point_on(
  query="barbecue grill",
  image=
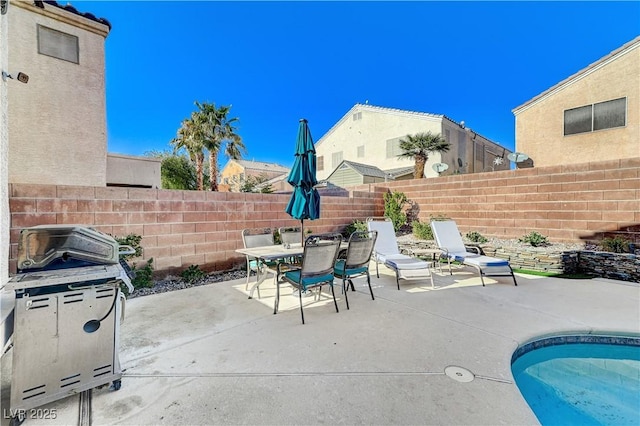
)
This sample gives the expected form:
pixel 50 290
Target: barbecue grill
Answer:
pixel 68 309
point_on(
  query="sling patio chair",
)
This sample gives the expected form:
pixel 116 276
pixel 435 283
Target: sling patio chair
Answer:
pixel 258 237
pixel 356 262
pixel 386 251
pixel 316 270
pixel 449 240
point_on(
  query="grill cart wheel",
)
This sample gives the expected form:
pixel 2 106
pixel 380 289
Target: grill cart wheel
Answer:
pixel 116 385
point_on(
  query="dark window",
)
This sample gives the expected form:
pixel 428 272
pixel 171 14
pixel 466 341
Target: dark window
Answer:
pixel 577 120
pixel 609 114
pixel 600 116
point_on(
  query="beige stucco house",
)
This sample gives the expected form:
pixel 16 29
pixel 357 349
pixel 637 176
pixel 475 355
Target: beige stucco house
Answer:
pixel 235 173
pixel 57 121
pixel 593 115
pixel 371 135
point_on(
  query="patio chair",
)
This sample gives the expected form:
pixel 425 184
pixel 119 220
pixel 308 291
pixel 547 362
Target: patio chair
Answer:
pixel 449 240
pixel 386 251
pixel 356 262
pixel 316 270
pixel 290 235
pixel 258 237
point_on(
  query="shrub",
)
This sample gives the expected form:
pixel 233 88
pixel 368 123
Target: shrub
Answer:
pixel 143 276
pixel 192 274
pixel 476 237
pixel 422 231
pixel 354 226
pixel 535 239
pixel 615 244
pixel 393 204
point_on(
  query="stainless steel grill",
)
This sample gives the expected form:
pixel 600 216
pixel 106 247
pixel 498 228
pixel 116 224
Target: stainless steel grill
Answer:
pixel 68 310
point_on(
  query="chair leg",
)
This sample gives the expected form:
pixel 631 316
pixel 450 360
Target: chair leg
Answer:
pixel 377 272
pixel 369 283
pixel 398 279
pixel 352 286
pixel 333 293
pixel 276 302
pixel 300 297
pixel 345 290
pixel 514 277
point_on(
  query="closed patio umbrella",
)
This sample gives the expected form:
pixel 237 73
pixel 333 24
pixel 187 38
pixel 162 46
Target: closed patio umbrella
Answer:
pixel 305 200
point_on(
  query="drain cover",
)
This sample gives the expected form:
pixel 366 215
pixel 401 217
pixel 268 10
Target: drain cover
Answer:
pixel 459 374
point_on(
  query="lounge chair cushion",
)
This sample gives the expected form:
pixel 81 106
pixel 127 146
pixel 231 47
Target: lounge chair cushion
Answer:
pixel 478 260
pixel 340 271
pixel 400 262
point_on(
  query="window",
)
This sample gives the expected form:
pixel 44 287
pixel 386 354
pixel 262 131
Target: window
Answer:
pixel 320 163
pixel 361 151
pixel 393 148
pixel 336 159
pixel 357 116
pixel 603 115
pixel 57 44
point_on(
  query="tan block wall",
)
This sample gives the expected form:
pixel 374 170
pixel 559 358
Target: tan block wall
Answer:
pixel 571 203
pixel 540 128
pixel 58 118
pixel 179 228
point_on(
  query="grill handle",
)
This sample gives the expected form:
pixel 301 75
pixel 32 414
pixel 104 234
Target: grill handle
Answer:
pixel 125 249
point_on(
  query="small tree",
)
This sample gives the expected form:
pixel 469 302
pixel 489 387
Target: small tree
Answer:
pixel 393 204
pixel 419 146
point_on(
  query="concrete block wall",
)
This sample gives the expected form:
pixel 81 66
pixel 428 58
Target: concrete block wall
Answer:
pixel 572 203
pixel 179 228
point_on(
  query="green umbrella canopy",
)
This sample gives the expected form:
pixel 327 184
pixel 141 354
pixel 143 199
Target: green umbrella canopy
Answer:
pixel 305 200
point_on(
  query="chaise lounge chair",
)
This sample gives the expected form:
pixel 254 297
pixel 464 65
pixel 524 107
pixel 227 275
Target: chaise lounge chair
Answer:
pixel 450 242
pixel 386 251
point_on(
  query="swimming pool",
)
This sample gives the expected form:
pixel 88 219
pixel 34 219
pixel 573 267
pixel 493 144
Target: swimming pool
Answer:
pixel 580 379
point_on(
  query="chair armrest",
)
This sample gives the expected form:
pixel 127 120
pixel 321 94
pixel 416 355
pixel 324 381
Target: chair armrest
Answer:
pixel 287 267
pixel 474 249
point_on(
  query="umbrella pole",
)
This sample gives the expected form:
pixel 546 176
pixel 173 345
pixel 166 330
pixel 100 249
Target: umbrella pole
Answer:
pixel 302 231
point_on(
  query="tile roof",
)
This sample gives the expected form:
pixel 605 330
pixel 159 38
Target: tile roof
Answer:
pixel 583 72
pixel 72 9
pixel 260 165
pixel 363 169
pixel 400 171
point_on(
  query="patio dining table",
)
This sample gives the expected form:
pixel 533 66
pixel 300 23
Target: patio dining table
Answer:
pixel 274 253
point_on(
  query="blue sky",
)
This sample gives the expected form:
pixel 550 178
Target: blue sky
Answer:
pixel 276 62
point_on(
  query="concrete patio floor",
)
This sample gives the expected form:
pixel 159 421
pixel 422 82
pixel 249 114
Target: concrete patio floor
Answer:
pixel 209 355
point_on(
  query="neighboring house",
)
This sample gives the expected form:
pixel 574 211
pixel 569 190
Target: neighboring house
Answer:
pixel 371 135
pixel 278 184
pixel 351 173
pixel 57 121
pixel 235 173
pixel 593 115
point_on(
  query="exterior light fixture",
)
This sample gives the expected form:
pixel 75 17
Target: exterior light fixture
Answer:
pixel 21 77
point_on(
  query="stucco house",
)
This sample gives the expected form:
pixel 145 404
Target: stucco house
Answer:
pixel 593 115
pixel 371 135
pixel 235 173
pixel 57 121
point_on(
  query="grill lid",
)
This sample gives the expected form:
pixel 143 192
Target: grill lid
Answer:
pixel 45 246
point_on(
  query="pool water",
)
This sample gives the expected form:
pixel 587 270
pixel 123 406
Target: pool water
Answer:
pixel 581 383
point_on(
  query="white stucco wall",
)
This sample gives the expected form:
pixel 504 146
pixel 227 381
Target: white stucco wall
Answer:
pixel 57 126
pixel 4 156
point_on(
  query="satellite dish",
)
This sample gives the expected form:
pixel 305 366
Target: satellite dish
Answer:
pixel 517 157
pixel 440 167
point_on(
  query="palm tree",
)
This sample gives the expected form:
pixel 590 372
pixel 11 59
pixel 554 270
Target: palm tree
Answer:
pixel 419 146
pixel 189 137
pixel 216 129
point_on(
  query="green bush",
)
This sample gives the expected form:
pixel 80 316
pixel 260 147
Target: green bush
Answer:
pixel 615 244
pixel 422 231
pixel 192 274
pixel 393 204
pixel 144 275
pixel 476 237
pixel 354 226
pixel 535 239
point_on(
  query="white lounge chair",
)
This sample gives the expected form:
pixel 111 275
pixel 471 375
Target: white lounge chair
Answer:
pixel 449 240
pixel 386 251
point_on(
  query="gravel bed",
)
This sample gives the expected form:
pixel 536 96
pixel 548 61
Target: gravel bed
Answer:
pixel 172 283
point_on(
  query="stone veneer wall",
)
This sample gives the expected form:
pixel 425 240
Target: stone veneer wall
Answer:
pixel 618 266
pixel 178 228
